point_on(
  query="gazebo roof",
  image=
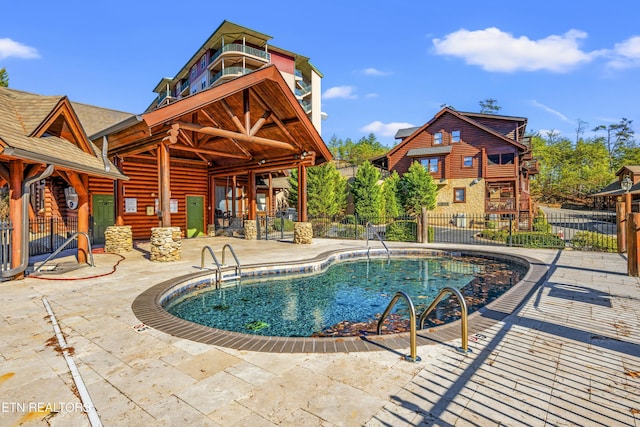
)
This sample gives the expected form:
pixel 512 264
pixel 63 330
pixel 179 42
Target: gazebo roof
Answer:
pixel 253 122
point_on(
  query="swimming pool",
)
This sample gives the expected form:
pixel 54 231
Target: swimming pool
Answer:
pixel 346 298
pixel 148 307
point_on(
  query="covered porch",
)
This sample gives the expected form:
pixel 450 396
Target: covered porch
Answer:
pixel 213 155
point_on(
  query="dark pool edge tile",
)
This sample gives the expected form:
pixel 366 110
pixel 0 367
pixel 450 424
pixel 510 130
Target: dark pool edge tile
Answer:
pixel 146 308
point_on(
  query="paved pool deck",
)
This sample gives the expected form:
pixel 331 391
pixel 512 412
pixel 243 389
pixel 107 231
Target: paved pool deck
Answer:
pixel 568 355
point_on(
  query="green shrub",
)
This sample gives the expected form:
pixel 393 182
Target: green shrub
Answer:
pixel 493 234
pixel 278 225
pixel 431 234
pixel 540 223
pixel 351 231
pixel 349 219
pixel 491 225
pixel 535 239
pixel 589 240
pixel 402 231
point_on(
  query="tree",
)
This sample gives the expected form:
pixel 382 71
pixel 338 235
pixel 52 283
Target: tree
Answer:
pixel 417 190
pixel 356 153
pixel 326 190
pixel 619 141
pixel 390 205
pixel 4 77
pixel 367 193
pixel 489 106
pixel 580 129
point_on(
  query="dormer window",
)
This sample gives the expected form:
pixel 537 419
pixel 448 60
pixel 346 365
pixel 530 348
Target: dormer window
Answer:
pixel 437 138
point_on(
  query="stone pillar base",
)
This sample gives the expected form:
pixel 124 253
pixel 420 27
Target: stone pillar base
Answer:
pixel 211 230
pixel 250 230
pixel 166 244
pixel 302 233
pixel 118 239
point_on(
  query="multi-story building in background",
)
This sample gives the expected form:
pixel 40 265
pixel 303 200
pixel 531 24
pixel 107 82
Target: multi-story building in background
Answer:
pixel 232 51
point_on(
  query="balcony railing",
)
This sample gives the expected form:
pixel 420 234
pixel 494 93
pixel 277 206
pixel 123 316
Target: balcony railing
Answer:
pixel 298 73
pixel 234 47
pixel 229 72
pixel 306 106
pixel 501 171
pixel 183 86
pixel 503 204
pixel 303 88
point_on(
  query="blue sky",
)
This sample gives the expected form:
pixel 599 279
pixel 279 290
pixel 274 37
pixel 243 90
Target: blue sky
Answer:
pixel 386 65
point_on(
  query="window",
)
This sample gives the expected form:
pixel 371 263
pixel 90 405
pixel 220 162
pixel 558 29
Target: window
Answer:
pixel 437 138
pixel 501 159
pixel 455 136
pixel 203 83
pixel 467 161
pixel 430 164
pixel 203 62
pixel 459 195
pixel 194 71
pixel 507 159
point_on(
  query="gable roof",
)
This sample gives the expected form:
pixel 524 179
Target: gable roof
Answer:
pixel 32 128
pixel 206 126
pixel 462 116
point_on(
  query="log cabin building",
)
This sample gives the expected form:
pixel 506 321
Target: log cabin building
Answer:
pixel 50 169
pixel 215 151
pixel 481 162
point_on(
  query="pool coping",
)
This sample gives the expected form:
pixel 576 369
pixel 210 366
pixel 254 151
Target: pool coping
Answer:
pixel 148 309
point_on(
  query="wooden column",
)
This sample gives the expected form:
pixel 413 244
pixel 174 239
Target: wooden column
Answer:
pixel 16 171
pixel 633 238
pixel 212 200
pixel 271 206
pixel 621 229
pixel 118 190
pixel 164 184
pixel 302 193
pixel 234 202
pixel 251 189
pixel 83 220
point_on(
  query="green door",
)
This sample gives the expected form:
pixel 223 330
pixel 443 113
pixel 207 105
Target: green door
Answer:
pixel 195 216
pixel 103 215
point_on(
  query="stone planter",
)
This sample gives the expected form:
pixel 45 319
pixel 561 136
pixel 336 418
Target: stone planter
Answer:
pixel 166 244
pixel 302 233
pixel 250 230
pixel 118 239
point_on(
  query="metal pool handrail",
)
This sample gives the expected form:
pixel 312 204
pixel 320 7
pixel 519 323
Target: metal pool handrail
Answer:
pixel 463 315
pixel 64 245
pixel 215 260
pixel 375 233
pixel 413 357
pixel 238 274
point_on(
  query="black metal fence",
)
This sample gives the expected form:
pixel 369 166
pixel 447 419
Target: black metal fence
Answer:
pixel 587 231
pixel 5 245
pixel 402 228
pixel 274 227
pixel 48 234
pixel 592 231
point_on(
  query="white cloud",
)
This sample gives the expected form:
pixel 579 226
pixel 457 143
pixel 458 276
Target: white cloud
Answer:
pixel 551 110
pixel 345 92
pixel 626 54
pixel 374 72
pixel 384 129
pixel 496 50
pixel 10 47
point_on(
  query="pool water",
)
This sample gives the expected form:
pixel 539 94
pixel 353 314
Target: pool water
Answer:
pixel 347 293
